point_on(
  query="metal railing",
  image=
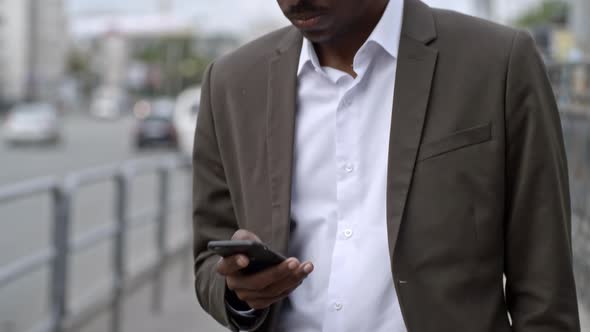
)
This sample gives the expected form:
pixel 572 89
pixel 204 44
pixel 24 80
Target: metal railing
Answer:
pixel 64 317
pixel 577 139
pixel 571 83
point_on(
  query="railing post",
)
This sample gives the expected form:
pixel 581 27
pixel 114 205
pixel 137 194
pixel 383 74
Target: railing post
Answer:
pixel 119 264
pixel 586 175
pixel 188 268
pixel 161 234
pixel 60 264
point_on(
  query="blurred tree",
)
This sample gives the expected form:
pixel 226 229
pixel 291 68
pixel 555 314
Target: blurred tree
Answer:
pixel 172 64
pixel 549 11
pixel 79 67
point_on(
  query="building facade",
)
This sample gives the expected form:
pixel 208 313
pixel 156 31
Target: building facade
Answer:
pixel 581 25
pixel 14 49
pixel 48 48
pixel 33 49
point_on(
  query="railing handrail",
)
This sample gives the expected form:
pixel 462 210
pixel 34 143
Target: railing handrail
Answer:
pixel 64 318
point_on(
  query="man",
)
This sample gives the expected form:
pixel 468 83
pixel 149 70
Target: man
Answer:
pixel 408 159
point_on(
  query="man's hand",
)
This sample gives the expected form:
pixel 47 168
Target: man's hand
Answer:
pixel 262 289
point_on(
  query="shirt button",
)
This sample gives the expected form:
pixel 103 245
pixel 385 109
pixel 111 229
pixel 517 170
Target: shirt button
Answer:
pixel 338 306
pixel 348 233
pixel 349 168
pixel 347 102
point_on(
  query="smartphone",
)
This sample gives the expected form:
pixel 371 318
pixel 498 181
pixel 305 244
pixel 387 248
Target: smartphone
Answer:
pixel 260 256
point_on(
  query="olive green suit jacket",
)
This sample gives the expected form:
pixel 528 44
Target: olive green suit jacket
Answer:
pixel 477 187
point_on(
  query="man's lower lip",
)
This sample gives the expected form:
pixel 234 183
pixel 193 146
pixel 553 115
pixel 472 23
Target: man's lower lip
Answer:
pixel 307 23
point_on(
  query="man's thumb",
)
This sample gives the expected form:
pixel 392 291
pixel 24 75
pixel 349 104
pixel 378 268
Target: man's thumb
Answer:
pixel 243 234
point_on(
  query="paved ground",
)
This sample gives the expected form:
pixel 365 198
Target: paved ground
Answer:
pixel 585 318
pixel 181 312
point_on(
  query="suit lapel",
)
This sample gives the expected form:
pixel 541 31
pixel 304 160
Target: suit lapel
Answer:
pixel 415 70
pixel 282 87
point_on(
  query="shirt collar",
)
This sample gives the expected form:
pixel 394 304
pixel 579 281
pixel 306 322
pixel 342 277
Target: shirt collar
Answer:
pixel 386 34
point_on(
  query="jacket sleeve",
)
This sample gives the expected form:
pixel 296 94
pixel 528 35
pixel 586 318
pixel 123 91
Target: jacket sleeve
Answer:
pixel 213 216
pixel 540 288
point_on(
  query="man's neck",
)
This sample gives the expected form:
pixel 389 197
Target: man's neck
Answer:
pixel 339 52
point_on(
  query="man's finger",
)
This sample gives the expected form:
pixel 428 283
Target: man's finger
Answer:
pixel 271 292
pixel 263 279
pixel 230 265
pixel 305 269
pixel 289 283
pixel 243 234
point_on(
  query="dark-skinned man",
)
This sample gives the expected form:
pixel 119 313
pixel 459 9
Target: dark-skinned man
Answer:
pixel 406 159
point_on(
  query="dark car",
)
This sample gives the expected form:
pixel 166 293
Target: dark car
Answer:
pixel 154 125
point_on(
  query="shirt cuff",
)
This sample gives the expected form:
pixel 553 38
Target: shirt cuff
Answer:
pixel 241 315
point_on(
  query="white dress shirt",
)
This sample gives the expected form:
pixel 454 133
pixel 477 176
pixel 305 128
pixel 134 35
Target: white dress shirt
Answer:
pixel 339 189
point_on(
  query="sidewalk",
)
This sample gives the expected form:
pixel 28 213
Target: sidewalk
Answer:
pixel 585 318
pixel 180 309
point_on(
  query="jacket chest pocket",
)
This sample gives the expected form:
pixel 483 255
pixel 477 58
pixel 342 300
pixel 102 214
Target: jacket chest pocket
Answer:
pixel 455 141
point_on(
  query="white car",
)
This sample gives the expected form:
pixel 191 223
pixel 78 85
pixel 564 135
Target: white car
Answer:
pixel 32 123
pixel 185 118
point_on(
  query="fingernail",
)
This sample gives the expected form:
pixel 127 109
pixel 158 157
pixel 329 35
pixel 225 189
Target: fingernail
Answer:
pixel 308 268
pixel 242 262
pixel 292 265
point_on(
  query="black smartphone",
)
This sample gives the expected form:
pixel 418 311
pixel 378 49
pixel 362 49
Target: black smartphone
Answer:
pixel 261 257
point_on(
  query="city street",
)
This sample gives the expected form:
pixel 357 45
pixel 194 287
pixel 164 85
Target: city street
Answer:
pixel 87 143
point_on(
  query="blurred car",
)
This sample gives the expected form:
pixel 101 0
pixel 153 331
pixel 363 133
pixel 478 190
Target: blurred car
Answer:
pixel 185 118
pixel 154 124
pixel 32 123
pixel 108 103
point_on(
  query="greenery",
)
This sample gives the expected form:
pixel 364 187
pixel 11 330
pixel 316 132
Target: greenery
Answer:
pixel 164 65
pixel 549 11
pixel 174 60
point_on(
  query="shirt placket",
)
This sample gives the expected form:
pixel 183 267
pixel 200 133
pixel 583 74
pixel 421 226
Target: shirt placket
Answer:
pixel 344 254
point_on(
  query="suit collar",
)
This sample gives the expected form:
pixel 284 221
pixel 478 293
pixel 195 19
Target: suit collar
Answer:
pixel 418 23
pixel 386 34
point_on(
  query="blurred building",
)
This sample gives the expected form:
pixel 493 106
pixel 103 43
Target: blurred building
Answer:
pixel 112 59
pixel 48 48
pixel 33 48
pixel 581 24
pixel 14 49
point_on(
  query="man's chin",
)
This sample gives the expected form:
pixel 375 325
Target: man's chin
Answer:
pixel 318 36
